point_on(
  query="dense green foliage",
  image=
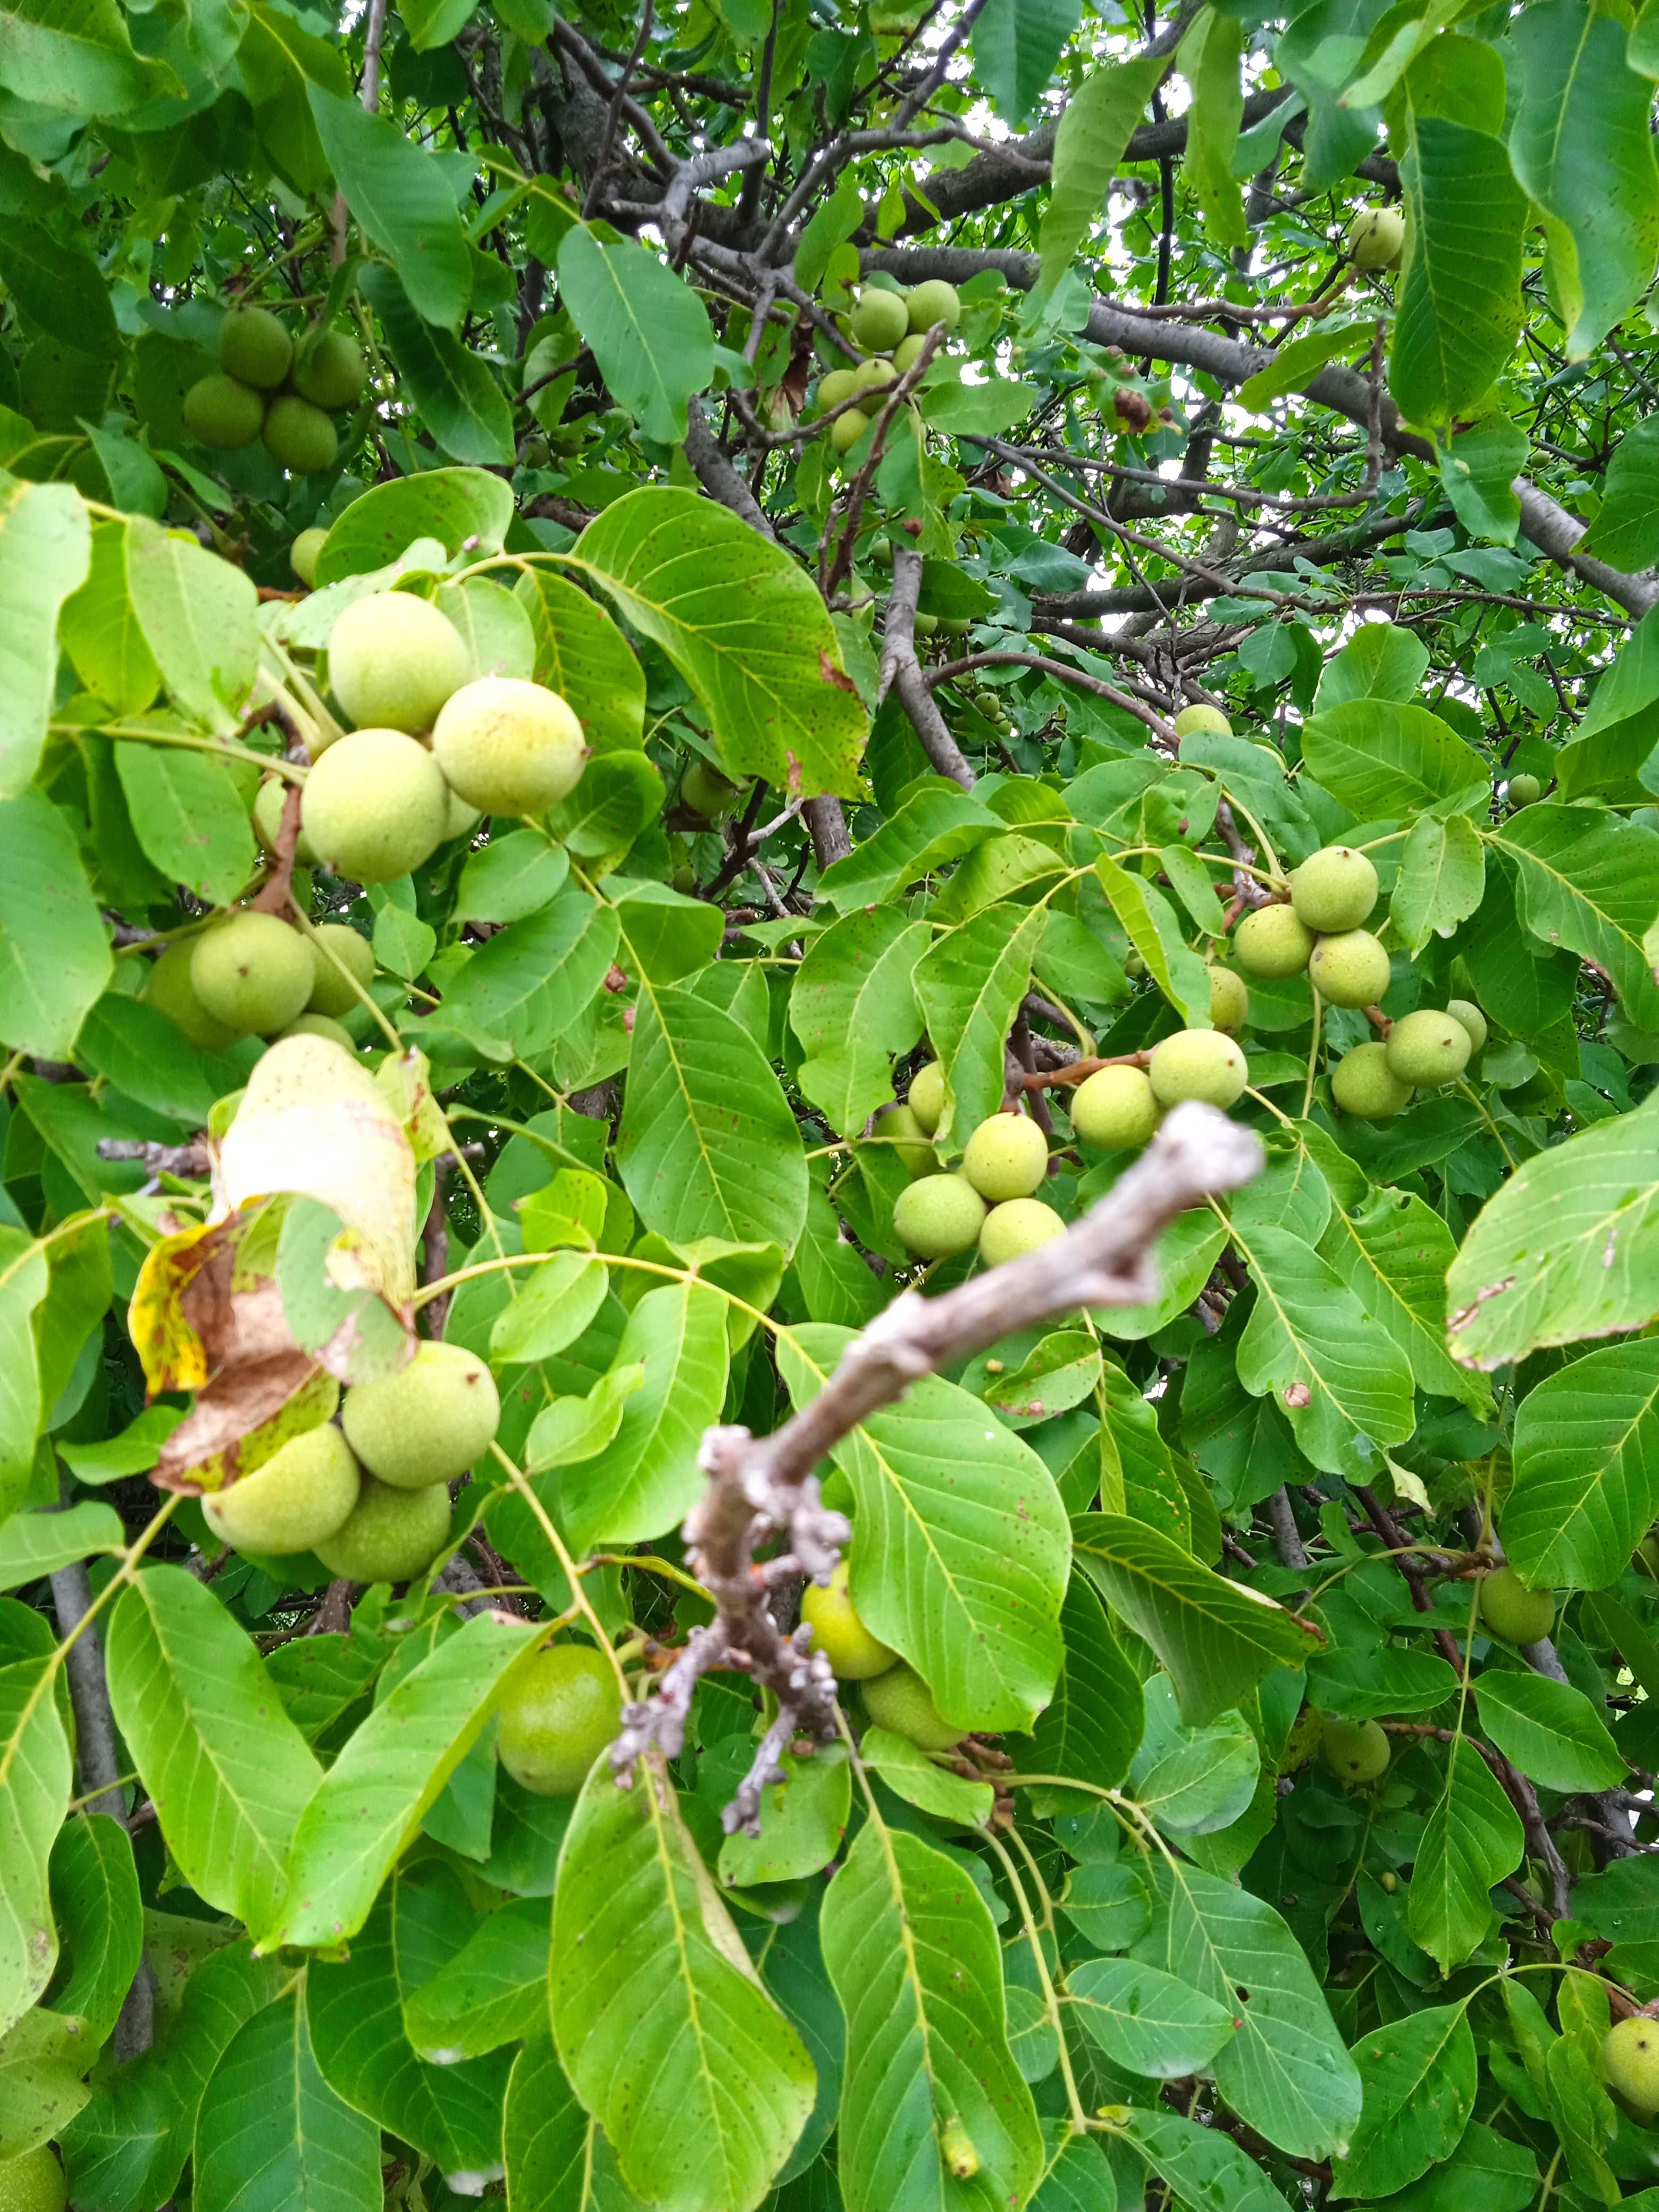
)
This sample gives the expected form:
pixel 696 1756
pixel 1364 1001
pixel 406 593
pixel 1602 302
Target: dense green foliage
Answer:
pixel 620 633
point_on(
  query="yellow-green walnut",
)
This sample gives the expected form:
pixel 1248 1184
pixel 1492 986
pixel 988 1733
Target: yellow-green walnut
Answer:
pixel 557 1718
pixel 334 946
pixel 1273 941
pixel 390 1535
pixel 938 1216
pixel 1512 1610
pixel 900 1701
pixel 508 746
pixel 1015 1227
pixel 901 1130
pixel 427 1423
pixel 1350 968
pixel 393 660
pixel 375 806
pixel 1197 1063
pixel 828 1609
pixel 1006 1157
pixel 1334 889
pixel 1115 1108
pixel 300 1497
pixel 253 972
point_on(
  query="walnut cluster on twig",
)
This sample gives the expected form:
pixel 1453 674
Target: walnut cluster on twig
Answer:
pixel 763 1490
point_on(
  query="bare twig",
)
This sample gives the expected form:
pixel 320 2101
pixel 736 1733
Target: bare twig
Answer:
pixel 765 1489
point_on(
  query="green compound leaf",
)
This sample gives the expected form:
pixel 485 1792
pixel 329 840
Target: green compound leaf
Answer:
pixel 1568 1248
pixel 960 1558
pixel 272 2134
pixel 227 1770
pixel 1216 1638
pixel 670 2041
pixel 913 1956
pixel 678 566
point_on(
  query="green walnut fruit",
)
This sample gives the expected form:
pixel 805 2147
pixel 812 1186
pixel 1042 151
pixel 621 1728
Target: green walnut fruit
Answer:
pixel 908 352
pixel 222 413
pixel 899 1701
pixel 376 805
pixel 392 661
pixel 302 554
pixel 874 375
pixel 1355 1750
pixel 254 348
pixel 302 1495
pixel 847 429
pixel 1377 238
pixel 1210 721
pixel 335 945
pixel 330 372
pixel 460 820
pixel 836 385
pixel 1229 1002
pixel 938 1216
pixel 879 320
pixel 1350 968
pixel 1466 1011
pixel 1334 890
pixel 899 1128
pixel 300 437
pixel 927 1095
pixel 390 1535
pixel 854 1654
pixel 269 804
pixel 429 1422
pixel 321 1025
pixel 933 301
pixel 1015 1227
pixel 1006 1157
pixel 33 2183
pixel 1428 1049
pixel 169 989
pixel 1273 941
pixel 926 625
pixel 508 746
pixel 704 791
pixel 1197 1063
pixel 1364 1085
pixel 557 1719
pixel 1524 790
pixel 1512 1611
pixel 253 972
pixel 1630 2061
pixel 1115 1108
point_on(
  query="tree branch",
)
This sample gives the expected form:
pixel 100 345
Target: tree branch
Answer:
pixel 901 670
pixel 1346 392
pixel 763 1489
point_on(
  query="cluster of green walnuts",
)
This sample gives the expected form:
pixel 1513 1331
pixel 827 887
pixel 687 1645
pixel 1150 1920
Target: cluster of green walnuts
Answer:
pixel 1318 931
pixel 265 387
pixel 433 750
pixel 889 329
pixel 368 1495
